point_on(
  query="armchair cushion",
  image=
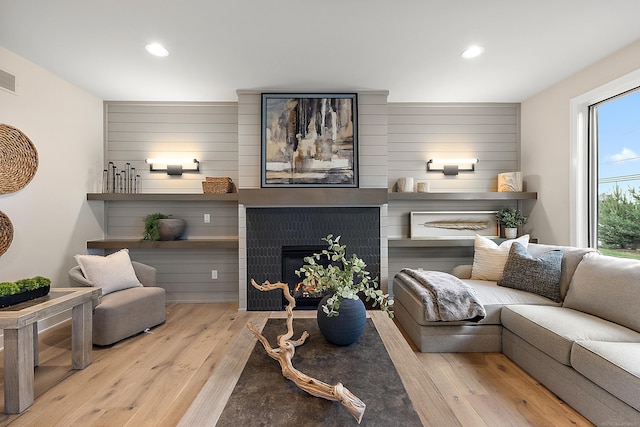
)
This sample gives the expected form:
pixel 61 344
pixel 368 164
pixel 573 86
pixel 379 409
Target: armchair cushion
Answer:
pixel 111 273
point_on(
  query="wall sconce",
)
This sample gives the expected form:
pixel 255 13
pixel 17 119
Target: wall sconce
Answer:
pixel 451 166
pixel 173 166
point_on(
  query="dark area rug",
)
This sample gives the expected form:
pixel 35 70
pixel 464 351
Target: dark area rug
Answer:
pixel 263 397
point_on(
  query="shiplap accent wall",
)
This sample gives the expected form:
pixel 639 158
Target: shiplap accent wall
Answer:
pixel 373 155
pixel 395 140
pixel 419 132
pixel 372 138
pixel 206 131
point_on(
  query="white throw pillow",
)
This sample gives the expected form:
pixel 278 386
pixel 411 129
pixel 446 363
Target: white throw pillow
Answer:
pixel 489 258
pixel 111 273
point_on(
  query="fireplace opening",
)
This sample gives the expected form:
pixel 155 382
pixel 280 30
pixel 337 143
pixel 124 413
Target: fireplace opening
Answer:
pixel 292 260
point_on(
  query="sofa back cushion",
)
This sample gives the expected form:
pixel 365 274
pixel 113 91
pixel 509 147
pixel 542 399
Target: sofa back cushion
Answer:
pixel 571 257
pixel 607 287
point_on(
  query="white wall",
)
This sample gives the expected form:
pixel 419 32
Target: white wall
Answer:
pixel 51 218
pixel 545 142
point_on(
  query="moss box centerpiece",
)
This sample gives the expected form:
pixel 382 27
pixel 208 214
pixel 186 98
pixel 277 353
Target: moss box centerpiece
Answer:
pixel 12 293
pixel 341 313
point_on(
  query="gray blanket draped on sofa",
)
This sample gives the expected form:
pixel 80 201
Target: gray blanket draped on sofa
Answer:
pixel 445 297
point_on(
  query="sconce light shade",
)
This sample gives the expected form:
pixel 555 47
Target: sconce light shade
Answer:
pixel 173 166
pixel 451 166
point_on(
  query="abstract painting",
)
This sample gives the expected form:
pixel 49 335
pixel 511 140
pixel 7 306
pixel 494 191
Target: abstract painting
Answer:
pixel 309 140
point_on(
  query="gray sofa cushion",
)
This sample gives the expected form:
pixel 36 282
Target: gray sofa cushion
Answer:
pixel 553 330
pixel 539 275
pixel 607 287
pixel 492 297
pixel 614 366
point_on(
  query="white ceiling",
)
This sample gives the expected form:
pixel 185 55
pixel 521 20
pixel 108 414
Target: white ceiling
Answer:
pixel 409 47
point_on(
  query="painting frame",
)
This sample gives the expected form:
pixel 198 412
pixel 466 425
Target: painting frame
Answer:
pixel 309 140
pixel 449 225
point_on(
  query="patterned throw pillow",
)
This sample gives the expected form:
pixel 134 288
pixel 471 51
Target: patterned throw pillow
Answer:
pixel 536 275
pixel 489 258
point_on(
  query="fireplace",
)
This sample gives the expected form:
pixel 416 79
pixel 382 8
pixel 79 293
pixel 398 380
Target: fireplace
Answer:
pixel 293 259
pixel 269 230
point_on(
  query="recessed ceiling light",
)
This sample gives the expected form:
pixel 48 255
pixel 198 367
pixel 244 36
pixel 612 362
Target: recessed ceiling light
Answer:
pixel 156 49
pixel 472 52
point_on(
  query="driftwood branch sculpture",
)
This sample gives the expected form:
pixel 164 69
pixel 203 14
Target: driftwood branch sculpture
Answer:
pixel 285 351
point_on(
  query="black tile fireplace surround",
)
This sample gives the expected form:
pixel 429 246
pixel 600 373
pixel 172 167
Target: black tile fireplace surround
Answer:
pixel 271 229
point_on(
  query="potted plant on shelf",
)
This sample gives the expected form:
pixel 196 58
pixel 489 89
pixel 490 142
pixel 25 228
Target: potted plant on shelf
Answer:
pixel 12 293
pixel 511 219
pixel 158 226
pixel 341 313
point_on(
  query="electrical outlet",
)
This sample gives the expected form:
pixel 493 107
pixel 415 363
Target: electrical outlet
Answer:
pixel 214 274
pixel 207 218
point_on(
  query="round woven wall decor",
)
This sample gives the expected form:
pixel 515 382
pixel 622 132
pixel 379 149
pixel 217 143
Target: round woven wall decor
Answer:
pixel 18 159
pixel 6 233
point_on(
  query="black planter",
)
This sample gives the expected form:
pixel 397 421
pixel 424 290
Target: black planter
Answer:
pixel 348 326
pixel 9 300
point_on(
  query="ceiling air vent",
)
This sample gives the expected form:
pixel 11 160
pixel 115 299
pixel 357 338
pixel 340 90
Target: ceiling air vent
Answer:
pixel 7 81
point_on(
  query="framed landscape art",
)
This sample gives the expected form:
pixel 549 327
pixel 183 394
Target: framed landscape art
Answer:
pixel 309 140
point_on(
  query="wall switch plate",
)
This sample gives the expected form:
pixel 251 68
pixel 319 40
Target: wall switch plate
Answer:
pixel 207 218
pixel 214 274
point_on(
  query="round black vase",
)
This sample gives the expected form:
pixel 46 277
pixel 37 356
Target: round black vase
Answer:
pixel 348 326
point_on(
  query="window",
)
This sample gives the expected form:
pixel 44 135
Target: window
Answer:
pixel 614 175
pixel 581 232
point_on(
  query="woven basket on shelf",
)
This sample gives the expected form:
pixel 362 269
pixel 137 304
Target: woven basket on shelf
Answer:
pixel 217 185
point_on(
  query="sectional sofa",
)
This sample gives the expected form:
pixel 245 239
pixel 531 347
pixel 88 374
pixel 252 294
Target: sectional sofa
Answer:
pixel 582 340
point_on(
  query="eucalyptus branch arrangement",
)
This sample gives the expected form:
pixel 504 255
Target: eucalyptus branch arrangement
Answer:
pixel 342 278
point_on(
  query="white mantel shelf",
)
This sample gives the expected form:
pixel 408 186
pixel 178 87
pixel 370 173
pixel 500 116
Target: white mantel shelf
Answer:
pixel 279 197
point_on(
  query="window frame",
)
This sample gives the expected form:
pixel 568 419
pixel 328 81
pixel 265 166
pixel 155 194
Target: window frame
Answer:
pixel 581 203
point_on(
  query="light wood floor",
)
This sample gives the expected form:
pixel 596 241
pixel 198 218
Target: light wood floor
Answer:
pixel 153 378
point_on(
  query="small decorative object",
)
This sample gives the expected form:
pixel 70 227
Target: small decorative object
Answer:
pixel 511 219
pixel 12 293
pixel 286 350
pixel 18 159
pixel 158 226
pixel 339 282
pixel 405 185
pixel 424 187
pixel 6 233
pixel 436 225
pixel 309 140
pixel 510 182
pixel 217 185
pixel 120 181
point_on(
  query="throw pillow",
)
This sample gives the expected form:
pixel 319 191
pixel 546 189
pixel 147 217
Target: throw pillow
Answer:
pixel 111 273
pixel 489 258
pixel 539 275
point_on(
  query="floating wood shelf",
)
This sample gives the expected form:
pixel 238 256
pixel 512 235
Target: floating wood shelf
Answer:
pixel 211 243
pixel 527 195
pixel 167 197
